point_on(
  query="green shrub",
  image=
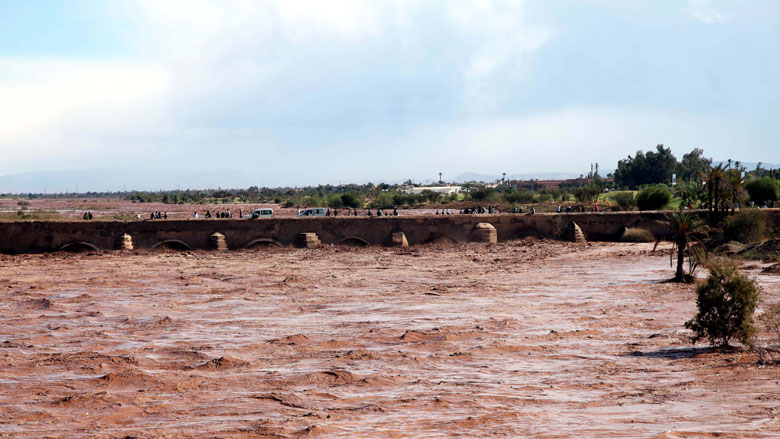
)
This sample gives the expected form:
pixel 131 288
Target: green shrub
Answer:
pixel 762 190
pixel 726 301
pixel 544 196
pixel 771 321
pixel 638 235
pixel 401 199
pixel 653 198
pixel 383 201
pixel 481 193
pixel 625 200
pixel 587 193
pixel 350 200
pixel 747 226
pixel 519 196
pixel 334 201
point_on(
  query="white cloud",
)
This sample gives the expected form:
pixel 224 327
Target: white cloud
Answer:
pixel 704 11
pixel 39 97
pixel 564 140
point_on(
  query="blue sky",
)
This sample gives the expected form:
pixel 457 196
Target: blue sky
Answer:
pixel 308 92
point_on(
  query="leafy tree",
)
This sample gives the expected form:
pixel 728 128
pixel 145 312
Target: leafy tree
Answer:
pixel 693 165
pixel 726 302
pixel 684 225
pixel 653 197
pixel 646 168
pixel 762 190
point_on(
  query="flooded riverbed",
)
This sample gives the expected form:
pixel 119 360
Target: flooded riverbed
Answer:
pixel 520 339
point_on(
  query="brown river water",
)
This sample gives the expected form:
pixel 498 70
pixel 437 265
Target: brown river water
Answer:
pixel 534 339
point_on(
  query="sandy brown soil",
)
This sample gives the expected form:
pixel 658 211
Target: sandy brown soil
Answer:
pixel 521 339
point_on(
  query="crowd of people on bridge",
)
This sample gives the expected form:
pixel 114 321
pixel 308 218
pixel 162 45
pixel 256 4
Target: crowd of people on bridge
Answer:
pixel 219 214
pixel 347 211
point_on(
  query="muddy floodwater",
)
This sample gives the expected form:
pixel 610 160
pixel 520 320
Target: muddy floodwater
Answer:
pixel 528 338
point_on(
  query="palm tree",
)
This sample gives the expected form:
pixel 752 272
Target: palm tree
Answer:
pixel 736 185
pixel 715 177
pixel 683 225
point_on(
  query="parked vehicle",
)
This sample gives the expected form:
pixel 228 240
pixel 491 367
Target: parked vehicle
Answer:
pixel 260 213
pixel 314 211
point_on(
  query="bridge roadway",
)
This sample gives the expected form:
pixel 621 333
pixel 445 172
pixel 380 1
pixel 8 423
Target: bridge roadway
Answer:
pixel 45 236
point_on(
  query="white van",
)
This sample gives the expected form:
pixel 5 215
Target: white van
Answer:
pixel 260 213
pixel 314 211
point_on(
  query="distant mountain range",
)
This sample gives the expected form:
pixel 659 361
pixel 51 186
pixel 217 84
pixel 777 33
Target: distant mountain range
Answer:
pixel 750 166
pixel 488 178
pixel 115 180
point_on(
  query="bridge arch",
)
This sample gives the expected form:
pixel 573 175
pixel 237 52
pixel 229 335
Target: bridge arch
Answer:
pixel 263 241
pixel 439 238
pixel 78 246
pixel 173 244
pixel 354 240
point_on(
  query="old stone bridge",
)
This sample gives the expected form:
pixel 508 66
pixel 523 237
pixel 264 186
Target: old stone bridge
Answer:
pixel 44 236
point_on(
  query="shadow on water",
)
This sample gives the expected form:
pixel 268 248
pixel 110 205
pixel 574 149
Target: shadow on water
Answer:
pixel 672 353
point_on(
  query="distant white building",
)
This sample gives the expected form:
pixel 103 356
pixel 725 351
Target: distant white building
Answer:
pixel 446 190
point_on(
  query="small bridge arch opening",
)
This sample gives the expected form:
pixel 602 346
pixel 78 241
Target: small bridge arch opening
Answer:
pixel 354 241
pixel 262 242
pixel 172 244
pixel 79 247
pixel 439 239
